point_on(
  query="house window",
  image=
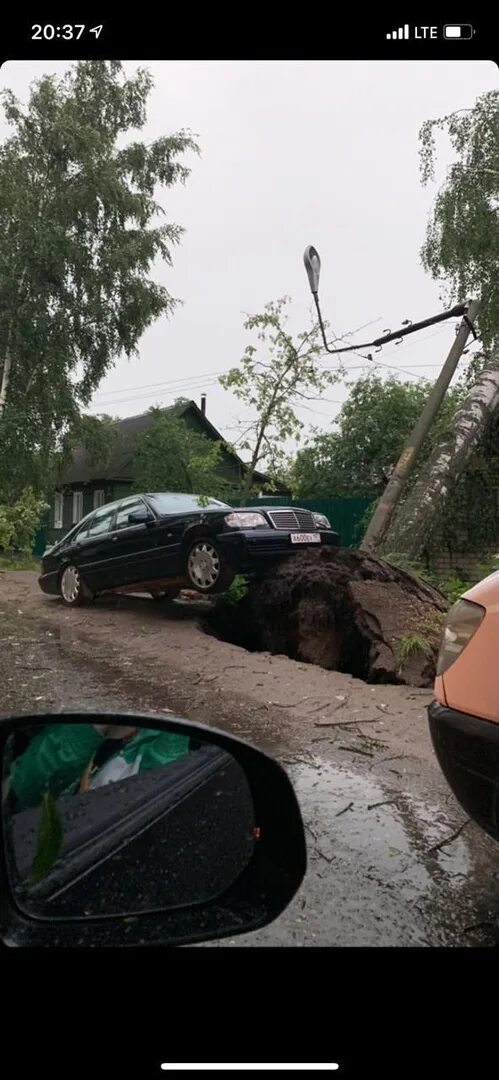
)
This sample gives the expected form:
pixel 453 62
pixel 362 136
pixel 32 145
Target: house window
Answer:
pixel 77 506
pixel 99 498
pixel 58 510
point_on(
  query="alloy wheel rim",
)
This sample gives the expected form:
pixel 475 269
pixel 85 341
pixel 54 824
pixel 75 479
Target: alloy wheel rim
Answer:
pixel 70 584
pixel 204 565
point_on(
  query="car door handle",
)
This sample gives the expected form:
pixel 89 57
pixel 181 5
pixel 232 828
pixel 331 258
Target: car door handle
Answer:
pixel 114 539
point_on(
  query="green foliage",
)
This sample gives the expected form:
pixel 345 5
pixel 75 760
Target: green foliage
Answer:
pixel 170 456
pixel 81 230
pixel 19 523
pixel 373 426
pixel 488 566
pixel 49 839
pixel 235 593
pixel 273 378
pixel 462 242
pixel 98 435
pixel 453 588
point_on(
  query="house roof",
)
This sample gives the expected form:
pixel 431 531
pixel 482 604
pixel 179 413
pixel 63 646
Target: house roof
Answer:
pixel 82 471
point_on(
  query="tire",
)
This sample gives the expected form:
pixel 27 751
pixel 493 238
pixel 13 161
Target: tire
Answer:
pixel 207 569
pixel 72 588
pixel 166 594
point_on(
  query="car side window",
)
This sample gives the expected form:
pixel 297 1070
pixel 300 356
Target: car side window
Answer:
pixel 100 522
pixel 126 508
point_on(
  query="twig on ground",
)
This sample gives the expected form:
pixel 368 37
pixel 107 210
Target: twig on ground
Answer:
pixel 356 750
pixel 345 723
pixel 449 839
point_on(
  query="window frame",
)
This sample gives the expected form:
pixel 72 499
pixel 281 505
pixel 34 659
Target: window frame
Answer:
pixel 100 492
pixel 77 497
pixel 85 534
pixel 59 521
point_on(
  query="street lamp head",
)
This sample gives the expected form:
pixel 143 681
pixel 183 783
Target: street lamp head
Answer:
pixel 313 268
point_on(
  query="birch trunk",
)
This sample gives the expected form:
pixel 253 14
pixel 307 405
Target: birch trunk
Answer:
pixel 414 522
pixel 7 366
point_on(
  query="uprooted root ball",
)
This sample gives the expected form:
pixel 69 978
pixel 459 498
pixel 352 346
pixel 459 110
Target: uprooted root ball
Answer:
pixel 344 610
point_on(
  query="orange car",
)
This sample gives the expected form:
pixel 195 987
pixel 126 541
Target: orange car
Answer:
pixel 464 717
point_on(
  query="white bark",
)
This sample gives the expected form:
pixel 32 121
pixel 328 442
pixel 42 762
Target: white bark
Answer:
pixel 416 517
pixel 7 365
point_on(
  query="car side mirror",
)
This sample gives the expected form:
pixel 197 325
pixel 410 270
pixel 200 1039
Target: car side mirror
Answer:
pixel 138 830
pixel 140 517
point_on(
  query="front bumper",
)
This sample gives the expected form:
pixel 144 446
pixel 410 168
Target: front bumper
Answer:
pixel 247 549
pixel 48 583
pixel 467 749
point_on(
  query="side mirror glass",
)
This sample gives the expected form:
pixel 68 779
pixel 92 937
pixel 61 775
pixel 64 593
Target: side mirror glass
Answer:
pixel 108 825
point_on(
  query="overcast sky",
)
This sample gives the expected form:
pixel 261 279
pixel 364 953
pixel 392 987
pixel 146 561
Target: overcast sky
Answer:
pixel 293 153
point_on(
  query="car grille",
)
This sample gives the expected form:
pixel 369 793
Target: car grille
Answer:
pixel 291 520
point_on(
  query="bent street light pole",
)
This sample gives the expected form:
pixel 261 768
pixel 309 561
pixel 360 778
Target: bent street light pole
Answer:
pixel 380 521
pixel 313 268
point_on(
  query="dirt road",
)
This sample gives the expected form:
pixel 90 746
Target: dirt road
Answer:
pixel 392 859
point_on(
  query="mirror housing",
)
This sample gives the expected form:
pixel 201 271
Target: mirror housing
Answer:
pixel 258 894
pixel 140 517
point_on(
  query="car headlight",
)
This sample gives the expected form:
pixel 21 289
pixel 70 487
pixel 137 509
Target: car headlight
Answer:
pixel 463 621
pixel 245 520
pixel 322 521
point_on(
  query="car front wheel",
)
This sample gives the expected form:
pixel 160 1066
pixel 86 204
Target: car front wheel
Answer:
pixel 207 569
pixel 72 588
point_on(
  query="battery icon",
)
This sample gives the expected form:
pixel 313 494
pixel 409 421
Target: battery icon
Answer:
pixel 458 31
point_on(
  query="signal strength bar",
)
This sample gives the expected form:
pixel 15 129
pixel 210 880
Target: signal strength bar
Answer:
pixel 402 34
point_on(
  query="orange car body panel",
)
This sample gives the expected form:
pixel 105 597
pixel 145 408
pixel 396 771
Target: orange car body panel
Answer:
pixel 471 684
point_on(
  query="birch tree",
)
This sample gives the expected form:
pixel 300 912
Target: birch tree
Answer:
pixel 461 251
pixel 81 228
pixel 420 513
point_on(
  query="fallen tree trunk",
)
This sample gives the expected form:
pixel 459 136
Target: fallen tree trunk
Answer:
pixel 344 610
pixel 413 524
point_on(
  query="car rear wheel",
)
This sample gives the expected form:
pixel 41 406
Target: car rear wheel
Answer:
pixel 207 569
pixel 71 587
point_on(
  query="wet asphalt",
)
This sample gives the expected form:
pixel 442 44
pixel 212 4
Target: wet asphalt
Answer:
pixel 384 869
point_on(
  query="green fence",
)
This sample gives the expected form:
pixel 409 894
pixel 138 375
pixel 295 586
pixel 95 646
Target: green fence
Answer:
pixel 345 515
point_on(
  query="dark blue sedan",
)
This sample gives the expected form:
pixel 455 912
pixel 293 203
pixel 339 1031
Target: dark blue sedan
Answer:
pixel 164 542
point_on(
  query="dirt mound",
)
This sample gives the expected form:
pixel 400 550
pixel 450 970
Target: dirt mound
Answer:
pixel 344 610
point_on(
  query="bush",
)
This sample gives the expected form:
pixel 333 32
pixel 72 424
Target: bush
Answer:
pixel 19 523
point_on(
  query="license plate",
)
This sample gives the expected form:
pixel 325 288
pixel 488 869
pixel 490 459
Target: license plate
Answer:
pixel 305 538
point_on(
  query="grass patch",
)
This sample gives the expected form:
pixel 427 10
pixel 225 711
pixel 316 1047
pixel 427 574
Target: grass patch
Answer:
pixel 411 645
pixel 19 562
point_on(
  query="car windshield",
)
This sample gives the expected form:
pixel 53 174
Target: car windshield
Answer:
pixel 172 503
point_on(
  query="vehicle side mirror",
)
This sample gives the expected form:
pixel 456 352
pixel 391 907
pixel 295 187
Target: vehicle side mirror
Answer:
pixel 140 517
pixel 138 830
